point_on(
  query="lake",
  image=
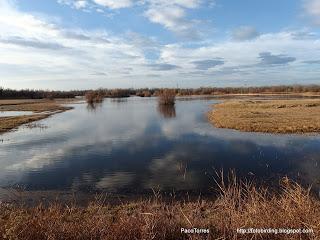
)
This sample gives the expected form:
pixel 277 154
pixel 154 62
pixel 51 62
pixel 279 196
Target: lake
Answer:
pixel 132 145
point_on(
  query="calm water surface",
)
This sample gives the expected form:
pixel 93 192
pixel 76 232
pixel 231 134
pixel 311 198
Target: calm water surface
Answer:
pixel 132 145
pixel 14 113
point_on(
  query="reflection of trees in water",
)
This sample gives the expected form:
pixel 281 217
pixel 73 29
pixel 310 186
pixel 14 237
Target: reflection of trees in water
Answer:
pixel 119 100
pixel 92 107
pixel 167 111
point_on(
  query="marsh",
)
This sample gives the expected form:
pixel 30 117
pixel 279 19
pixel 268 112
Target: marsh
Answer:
pixel 132 146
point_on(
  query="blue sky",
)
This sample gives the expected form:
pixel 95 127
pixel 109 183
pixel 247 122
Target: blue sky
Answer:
pixel 81 44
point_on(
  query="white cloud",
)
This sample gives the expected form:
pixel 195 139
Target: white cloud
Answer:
pixel 181 3
pixel 77 4
pixel 312 8
pixel 80 4
pixel 37 53
pixel 114 4
pixel 242 60
pixel 169 17
pixel 30 45
pixel 172 15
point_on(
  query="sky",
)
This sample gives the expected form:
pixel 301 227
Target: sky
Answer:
pixel 87 44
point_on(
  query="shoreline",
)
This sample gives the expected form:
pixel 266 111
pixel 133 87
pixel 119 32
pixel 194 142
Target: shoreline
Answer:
pixel 40 108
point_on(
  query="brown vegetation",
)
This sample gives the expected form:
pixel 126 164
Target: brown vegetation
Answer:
pixel 8 123
pixel 94 96
pixel 167 97
pixel 36 106
pixel 291 89
pixel 97 96
pixel 146 92
pixel 41 108
pixel 167 111
pixel 118 93
pixel 238 206
pixel 37 94
pixel 272 116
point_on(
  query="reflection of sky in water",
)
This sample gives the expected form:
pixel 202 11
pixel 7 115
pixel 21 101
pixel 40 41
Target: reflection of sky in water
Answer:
pixel 14 113
pixel 134 145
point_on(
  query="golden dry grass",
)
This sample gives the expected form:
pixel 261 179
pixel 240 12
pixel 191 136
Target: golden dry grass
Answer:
pixel 239 205
pixel 41 108
pixel 8 123
pixel 36 106
pixel 270 116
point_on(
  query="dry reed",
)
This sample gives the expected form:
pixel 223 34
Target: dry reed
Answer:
pixel 94 97
pixel 239 205
pixel 167 97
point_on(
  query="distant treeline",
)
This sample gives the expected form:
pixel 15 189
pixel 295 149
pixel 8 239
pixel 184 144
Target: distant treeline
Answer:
pixel 251 90
pixel 146 92
pixel 37 94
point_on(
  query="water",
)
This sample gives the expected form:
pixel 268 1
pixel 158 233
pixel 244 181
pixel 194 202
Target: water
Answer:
pixel 14 113
pixel 132 145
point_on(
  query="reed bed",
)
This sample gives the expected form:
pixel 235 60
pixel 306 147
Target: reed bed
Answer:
pixel 167 97
pixel 238 206
pixel 94 97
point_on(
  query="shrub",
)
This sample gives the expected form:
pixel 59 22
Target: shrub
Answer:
pixel 94 97
pixel 118 93
pixel 167 97
pixel 145 93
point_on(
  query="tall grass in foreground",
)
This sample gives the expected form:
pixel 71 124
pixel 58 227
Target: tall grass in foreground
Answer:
pixel 167 97
pixel 238 205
